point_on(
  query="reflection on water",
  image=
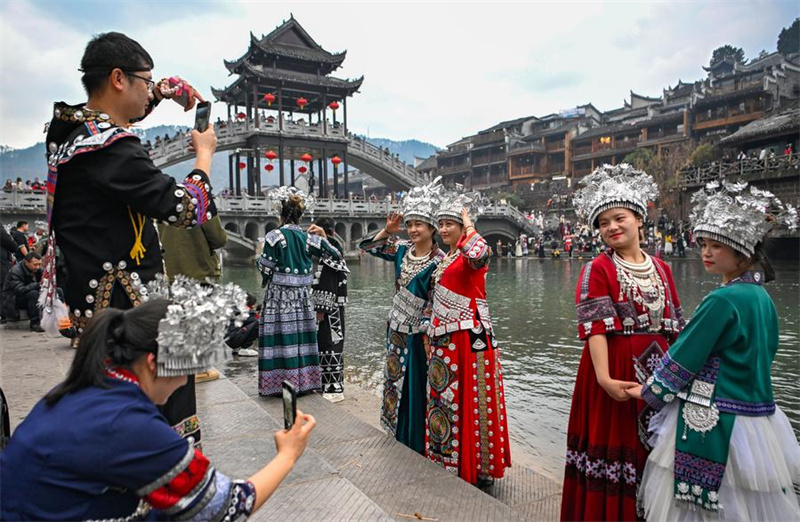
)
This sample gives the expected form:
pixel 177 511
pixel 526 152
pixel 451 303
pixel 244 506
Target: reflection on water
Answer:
pixel 532 304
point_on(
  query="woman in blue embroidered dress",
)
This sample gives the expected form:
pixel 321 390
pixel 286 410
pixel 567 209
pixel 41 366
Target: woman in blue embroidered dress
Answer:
pixel 722 448
pixel 405 374
pixel 96 447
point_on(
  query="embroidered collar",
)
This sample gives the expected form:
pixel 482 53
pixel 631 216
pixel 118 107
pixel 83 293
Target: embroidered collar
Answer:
pixel 121 374
pixel 754 277
pixel 80 114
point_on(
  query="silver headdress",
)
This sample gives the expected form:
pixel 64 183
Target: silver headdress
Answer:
pixel 278 195
pixel 615 186
pixel 422 202
pixel 192 335
pixel 454 201
pixel 729 213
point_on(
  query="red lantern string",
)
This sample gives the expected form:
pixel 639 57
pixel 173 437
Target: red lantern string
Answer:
pixel 306 157
pixel 242 165
pixel 302 170
pixel 269 167
pixel 270 155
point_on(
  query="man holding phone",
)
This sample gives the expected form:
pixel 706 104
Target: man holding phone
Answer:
pixel 104 192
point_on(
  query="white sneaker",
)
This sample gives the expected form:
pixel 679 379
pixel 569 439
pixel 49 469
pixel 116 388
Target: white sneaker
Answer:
pixel 333 397
pixel 247 352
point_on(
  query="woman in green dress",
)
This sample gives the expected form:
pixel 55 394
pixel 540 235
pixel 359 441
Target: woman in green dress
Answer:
pixel 287 329
pixel 723 450
pixel 405 374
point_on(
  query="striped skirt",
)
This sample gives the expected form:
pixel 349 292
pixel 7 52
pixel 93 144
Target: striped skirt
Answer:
pixel 287 341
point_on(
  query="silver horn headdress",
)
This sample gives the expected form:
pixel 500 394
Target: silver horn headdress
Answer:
pixel 192 335
pixel 729 213
pixel 422 202
pixel 278 195
pixel 615 186
pixel 454 201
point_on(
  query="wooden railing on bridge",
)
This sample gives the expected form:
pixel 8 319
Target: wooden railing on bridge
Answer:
pixel 748 169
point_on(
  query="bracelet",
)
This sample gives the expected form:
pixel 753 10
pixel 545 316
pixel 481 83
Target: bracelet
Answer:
pixel 470 226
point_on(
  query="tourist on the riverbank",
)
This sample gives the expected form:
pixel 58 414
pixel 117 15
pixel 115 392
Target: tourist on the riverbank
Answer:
pixel 628 312
pixel 97 448
pixel 20 236
pixel 242 336
pixel 329 295
pixel 21 289
pixel 106 192
pixel 287 342
pixel 467 429
pixel 405 374
pixel 724 450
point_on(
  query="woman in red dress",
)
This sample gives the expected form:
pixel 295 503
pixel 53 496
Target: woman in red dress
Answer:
pixel 628 313
pixel 466 427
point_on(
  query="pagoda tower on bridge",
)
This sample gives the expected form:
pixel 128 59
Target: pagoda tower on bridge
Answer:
pixel 288 100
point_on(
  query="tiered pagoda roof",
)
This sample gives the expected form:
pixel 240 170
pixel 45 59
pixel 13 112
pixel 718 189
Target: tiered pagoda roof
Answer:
pixel 290 60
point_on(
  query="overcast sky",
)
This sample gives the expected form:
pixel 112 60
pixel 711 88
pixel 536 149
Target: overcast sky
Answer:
pixel 433 71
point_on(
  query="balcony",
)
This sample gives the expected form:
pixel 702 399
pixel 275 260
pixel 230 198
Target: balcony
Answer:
pixel 553 146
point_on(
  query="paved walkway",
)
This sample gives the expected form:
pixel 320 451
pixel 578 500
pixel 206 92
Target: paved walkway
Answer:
pixel 351 470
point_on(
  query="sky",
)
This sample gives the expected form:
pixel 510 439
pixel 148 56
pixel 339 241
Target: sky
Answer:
pixel 434 71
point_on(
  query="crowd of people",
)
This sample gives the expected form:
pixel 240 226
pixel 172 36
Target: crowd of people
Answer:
pixel 34 186
pixel 669 421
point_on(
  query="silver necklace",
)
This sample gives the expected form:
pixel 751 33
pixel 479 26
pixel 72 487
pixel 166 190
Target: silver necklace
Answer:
pixel 641 283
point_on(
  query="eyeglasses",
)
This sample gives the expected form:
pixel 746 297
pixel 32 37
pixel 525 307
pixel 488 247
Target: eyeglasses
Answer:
pixel 150 83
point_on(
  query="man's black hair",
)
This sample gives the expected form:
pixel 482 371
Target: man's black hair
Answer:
pixel 21 223
pixel 32 255
pixel 108 51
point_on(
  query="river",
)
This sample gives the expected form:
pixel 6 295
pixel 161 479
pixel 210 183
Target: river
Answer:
pixel 533 309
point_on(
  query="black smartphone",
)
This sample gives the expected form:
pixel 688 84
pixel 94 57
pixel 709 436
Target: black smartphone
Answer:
pixel 201 117
pixel 289 404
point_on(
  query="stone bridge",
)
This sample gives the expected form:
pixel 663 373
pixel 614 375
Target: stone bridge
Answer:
pixel 248 219
pixel 361 154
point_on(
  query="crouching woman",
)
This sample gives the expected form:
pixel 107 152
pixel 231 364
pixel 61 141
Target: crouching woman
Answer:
pixel 96 446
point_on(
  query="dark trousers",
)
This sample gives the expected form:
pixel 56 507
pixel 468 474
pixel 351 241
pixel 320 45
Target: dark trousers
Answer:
pixel 28 301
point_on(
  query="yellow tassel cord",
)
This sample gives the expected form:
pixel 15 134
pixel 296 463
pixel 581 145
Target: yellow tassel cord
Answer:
pixel 138 250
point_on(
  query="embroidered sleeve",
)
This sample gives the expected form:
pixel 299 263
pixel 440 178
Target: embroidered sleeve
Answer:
pixel 713 325
pixel 274 243
pixel 475 249
pixel 595 308
pixel 320 247
pixel 124 171
pixel 383 248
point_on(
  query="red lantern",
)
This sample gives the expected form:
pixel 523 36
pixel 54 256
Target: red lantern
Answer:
pixel 333 105
pixel 269 167
pixel 301 102
pixel 242 165
pixel 269 98
pixel 302 170
pixel 336 160
pixel 270 155
pixel 241 115
pixel 306 157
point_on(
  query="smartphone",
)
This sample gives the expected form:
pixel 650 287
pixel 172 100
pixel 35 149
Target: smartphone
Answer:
pixel 201 117
pixel 289 405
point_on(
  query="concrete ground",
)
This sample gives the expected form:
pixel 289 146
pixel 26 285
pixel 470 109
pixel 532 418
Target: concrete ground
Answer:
pixel 351 470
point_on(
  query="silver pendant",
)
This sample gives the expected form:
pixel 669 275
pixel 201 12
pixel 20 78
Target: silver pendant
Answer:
pixel 698 418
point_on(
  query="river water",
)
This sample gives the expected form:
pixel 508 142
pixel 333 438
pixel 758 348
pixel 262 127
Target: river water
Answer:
pixel 533 309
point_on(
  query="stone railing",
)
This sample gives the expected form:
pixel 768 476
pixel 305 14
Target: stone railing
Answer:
pixel 235 132
pixel 747 169
pixel 25 201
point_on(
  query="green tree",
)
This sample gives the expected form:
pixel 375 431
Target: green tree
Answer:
pixel 702 155
pixel 727 51
pixel 665 171
pixel 789 38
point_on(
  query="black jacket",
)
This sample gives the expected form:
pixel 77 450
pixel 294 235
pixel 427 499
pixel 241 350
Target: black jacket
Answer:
pixel 108 191
pixel 21 280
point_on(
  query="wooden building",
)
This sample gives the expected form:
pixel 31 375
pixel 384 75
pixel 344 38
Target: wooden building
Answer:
pixel 285 94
